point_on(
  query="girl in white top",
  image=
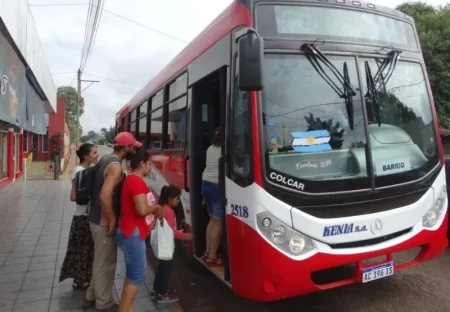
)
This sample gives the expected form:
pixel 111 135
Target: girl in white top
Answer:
pixel 211 195
pixel 80 248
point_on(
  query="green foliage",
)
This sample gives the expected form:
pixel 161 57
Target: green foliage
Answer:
pixel 394 111
pixel 70 95
pixel 433 27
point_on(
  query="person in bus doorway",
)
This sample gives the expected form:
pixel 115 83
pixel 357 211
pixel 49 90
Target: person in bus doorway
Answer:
pixel 211 194
pixel 170 200
pixel 103 215
pixel 133 228
pixel 80 248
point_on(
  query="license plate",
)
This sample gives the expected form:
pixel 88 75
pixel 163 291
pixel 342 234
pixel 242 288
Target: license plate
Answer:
pixel 377 272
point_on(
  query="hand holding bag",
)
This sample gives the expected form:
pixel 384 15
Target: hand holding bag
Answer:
pixel 162 240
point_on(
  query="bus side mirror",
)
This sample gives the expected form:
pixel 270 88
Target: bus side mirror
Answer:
pixel 250 59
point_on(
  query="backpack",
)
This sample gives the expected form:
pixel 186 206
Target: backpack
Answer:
pixel 84 185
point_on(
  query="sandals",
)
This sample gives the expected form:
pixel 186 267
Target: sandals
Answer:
pixel 205 256
pixel 212 263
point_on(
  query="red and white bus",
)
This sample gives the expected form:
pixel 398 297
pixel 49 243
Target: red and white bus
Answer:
pixel 332 160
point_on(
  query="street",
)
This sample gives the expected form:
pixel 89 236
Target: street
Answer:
pixel 422 288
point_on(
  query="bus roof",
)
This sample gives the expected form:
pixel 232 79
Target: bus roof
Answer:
pixel 235 15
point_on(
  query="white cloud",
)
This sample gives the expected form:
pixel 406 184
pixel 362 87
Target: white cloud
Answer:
pixel 123 51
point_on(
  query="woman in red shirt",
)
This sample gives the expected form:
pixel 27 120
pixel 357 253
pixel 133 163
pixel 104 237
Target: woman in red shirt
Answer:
pixel 133 228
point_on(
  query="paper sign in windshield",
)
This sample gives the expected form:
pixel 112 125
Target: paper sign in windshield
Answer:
pixel 311 141
pixel 392 166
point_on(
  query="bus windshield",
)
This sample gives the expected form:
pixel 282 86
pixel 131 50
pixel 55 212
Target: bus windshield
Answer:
pixel 308 134
pixel 299 21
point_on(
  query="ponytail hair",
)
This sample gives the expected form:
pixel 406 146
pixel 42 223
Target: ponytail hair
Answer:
pixel 168 191
pixel 84 151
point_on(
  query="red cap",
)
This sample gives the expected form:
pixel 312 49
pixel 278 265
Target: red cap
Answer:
pixel 126 138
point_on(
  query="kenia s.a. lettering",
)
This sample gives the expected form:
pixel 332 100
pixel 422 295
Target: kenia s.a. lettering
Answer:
pixel 253 73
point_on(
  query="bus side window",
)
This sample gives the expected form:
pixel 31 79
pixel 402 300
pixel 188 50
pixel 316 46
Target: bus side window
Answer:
pixel 241 145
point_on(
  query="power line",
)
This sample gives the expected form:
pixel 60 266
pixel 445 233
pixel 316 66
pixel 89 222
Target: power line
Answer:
pixel 126 19
pixel 63 73
pixel 89 74
pixel 145 26
pixel 57 5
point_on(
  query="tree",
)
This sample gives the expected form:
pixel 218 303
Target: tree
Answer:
pixel 433 27
pixel 108 134
pixel 70 95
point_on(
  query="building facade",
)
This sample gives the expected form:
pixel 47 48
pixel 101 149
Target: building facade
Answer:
pixel 27 90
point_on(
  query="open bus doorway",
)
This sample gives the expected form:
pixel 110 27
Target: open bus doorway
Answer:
pixel 207 114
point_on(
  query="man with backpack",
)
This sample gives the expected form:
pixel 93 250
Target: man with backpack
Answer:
pixel 104 213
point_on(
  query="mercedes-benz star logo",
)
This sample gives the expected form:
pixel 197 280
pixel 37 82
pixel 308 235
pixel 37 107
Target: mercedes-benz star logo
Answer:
pixel 377 226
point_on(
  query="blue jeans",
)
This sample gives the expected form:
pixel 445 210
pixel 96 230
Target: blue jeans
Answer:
pixel 211 195
pixel 133 249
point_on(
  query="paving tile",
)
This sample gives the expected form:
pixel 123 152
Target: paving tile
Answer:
pixel 65 304
pixel 36 306
pixel 143 292
pixel 40 259
pixel 8 308
pixel 11 278
pixel 42 266
pixel 7 299
pixel 144 305
pixel 34 295
pixel 6 247
pixel 39 274
pixel 14 269
pixel 66 292
pixel 37 284
pixel 45 251
pixel 17 261
pixel 10 287
pixel 21 254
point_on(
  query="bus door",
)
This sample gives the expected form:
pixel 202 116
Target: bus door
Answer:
pixel 208 107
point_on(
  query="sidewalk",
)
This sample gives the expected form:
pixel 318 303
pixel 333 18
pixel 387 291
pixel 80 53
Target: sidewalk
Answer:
pixel 35 220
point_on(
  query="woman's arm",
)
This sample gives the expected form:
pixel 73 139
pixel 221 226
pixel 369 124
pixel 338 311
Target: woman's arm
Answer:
pixel 73 194
pixel 142 207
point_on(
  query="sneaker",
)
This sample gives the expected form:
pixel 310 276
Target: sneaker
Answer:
pixel 154 293
pixel 166 299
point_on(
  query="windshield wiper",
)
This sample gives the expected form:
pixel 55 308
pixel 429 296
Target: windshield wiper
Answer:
pixel 379 81
pixel 314 55
pixel 390 63
pixel 372 93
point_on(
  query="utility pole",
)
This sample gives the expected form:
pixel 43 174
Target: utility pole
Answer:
pixel 77 134
pixel 77 138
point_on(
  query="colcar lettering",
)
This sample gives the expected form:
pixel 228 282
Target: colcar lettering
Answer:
pixel 394 166
pixel 287 181
pixel 342 229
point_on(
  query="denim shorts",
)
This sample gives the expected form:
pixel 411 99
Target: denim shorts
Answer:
pixel 211 195
pixel 133 249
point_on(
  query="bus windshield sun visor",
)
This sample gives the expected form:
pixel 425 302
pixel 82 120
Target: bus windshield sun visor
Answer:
pixel 314 55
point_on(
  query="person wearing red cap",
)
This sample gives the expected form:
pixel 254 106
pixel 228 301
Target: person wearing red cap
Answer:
pixel 103 215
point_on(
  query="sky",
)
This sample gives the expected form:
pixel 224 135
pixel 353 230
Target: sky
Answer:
pixel 125 56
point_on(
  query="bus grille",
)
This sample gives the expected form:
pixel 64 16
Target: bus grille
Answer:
pixel 369 242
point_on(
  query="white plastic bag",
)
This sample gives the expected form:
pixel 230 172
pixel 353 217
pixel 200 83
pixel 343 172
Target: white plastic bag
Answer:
pixel 162 240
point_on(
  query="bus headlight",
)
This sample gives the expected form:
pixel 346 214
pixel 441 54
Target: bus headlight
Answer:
pixel 282 236
pixel 433 215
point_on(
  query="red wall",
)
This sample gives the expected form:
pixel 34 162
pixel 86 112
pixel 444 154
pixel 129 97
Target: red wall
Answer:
pixel 56 123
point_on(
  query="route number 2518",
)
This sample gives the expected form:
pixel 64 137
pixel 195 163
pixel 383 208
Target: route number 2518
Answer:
pixel 239 211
